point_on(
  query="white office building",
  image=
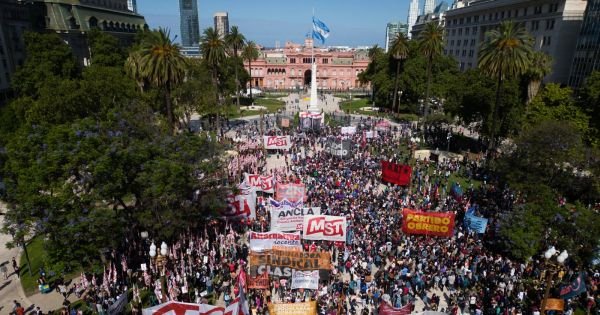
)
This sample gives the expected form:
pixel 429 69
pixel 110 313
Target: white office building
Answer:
pixel 554 24
pixel 413 13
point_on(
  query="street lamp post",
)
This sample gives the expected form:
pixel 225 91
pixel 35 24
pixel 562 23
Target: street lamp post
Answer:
pixel 399 99
pixel 551 269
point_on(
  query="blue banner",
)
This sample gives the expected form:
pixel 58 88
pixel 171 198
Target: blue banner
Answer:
pixel 575 288
pixel 475 223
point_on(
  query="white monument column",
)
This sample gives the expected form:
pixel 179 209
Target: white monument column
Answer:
pixel 313 108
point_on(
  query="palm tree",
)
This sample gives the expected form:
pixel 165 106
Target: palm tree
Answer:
pixel 540 67
pixel 431 44
pixel 250 53
pixel 213 50
pixel 133 69
pixel 400 52
pixel 373 53
pixel 505 53
pixel 235 41
pixel 161 64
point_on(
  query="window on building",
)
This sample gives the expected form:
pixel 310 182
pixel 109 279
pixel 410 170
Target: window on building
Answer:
pixel 553 7
pixel 292 60
pixel 489 17
pixel 502 15
pixel 464 53
pixel 458 42
pixel 462 20
pixel 468 20
pixel 469 65
pixel 450 52
pixel 465 42
pixel 525 11
pixel 460 32
pixel 535 25
pixel 467 31
pixel 537 9
pixel 453 32
pixel 474 30
pixel 471 53
pixel 325 60
pixel 547 41
pixel 462 66
pixel 509 12
pixel 472 42
pixel 550 24
pixel 496 16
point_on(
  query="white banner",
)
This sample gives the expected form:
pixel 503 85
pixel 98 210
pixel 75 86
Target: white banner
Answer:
pixel 324 227
pixel 265 241
pixel 348 130
pixel 178 308
pixel 370 134
pixel 242 205
pixel 305 280
pixel 277 142
pixel 291 219
pixel 260 182
pixel 284 204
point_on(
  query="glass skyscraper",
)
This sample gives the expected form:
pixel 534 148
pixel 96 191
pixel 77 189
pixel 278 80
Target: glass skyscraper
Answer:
pixel 190 28
pixel 587 52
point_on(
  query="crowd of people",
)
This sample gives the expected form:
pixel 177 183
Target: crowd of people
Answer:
pixel 378 264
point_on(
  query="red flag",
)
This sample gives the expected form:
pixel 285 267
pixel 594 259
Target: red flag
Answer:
pixel 398 174
pixel 386 309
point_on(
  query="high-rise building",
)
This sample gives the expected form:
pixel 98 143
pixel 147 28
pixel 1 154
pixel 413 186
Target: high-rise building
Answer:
pixel 189 25
pixel 554 24
pixel 429 6
pixel 391 30
pixel 587 51
pixel 413 13
pixel 222 23
pixel 132 5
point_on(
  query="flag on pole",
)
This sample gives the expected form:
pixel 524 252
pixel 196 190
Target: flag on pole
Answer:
pixel 320 30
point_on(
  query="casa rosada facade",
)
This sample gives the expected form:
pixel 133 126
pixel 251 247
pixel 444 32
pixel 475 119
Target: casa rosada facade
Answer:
pixel 290 67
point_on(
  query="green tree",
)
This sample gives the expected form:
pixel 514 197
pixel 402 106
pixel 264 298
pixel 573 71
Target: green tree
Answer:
pixel 250 53
pixel 105 49
pixel 213 49
pixel 235 42
pixel 556 103
pixel 400 52
pixel 49 58
pixel 162 65
pixel 506 53
pixel 539 68
pixel 589 101
pixel 431 44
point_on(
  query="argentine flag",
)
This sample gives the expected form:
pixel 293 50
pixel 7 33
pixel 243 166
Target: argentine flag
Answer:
pixel 320 30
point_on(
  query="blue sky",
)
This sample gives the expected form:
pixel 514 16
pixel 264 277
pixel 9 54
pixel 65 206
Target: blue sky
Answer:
pixel 352 22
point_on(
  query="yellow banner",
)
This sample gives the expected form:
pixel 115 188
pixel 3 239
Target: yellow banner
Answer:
pixel 307 308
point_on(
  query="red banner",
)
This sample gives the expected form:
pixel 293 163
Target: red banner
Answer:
pixel 428 223
pixel 291 192
pixel 386 309
pixel 395 173
pixel 259 282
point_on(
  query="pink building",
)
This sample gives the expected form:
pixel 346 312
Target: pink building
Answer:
pixel 290 67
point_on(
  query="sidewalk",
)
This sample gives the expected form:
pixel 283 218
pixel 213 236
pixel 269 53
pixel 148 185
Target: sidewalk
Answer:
pixel 10 289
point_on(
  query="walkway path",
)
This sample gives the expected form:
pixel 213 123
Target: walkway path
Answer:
pixel 10 289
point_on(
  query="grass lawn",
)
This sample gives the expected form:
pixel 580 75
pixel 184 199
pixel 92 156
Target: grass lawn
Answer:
pixel 355 105
pixel 271 104
pixel 39 258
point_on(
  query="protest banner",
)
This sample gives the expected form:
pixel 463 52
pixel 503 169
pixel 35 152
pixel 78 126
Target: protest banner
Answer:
pixel 305 280
pixel 395 173
pixel 575 288
pixel 261 281
pixel 306 308
pixel 427 223
pixel 341 148
pixel 283 263
pixel 349 130
pixel 260 182
pixel 277 142
pixel 284 204
pixel 386 309
pixel 475 223
pixel 324 227
pixel 241 205
pixel 179 308
pixel 260 242
pixel 292 192
pixel 290 219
